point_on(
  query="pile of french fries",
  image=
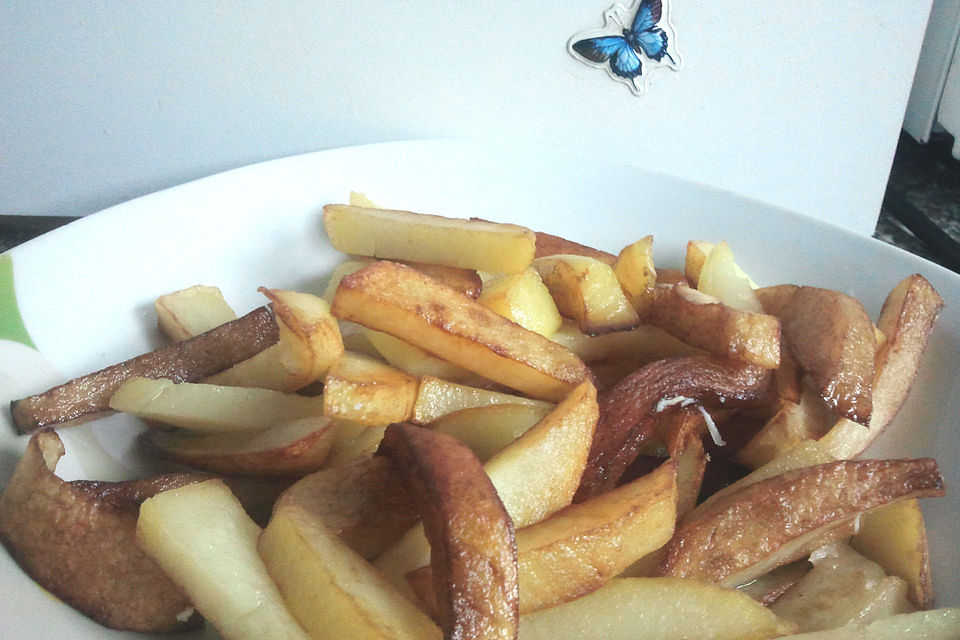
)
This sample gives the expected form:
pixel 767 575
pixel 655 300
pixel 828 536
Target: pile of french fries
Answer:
pixel 478 431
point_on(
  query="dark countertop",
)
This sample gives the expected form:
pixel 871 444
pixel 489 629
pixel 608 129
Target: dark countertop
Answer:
pixel 920 213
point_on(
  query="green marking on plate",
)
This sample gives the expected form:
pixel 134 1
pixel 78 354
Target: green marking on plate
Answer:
pixel 11 324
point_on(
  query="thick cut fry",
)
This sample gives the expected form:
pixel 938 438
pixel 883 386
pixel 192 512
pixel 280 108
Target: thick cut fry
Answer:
pixel 524 299
pixel 472 547
pixel 211 408
pixel 641 344
pixel 402 235
pixel 345 268
pixel 832 339
pixel 629 412
pixel 792 424
pixel 733 540
pixel 292 449
pixel 366 391
pixel 466 281
pixel 188 361
pixel 353 442
pixel 656 609
pixel 703 322
pixel 697 252
pixel 309 343
pixel 941 624
pixel 636 274
pixel 723 279
pixel 549 245
pixel 202 539
pixel 907 318
pixel 437 398
pixel 895 537
pixel 76 539
pixel 363 503
pixel 587 290
pixel 192 311
pixel 487 430
pixel 419 310
pixel 418 362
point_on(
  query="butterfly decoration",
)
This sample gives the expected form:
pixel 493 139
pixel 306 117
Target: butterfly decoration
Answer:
pixel 626 52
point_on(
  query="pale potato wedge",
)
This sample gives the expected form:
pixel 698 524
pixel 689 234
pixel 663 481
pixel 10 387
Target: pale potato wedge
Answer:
pixel 745 533
pixel 636 274
pixel 363 503
pixel 770 586
pixel 942 624
pixel 697 252
pixel 293 449
pixel 832 339
pixel 663 608
pixel 417 309
pixel 330 590
pixel 722 278
pixel 201 538
pixel 368 392
pixel 704 322
pixel 488 429
pixel 188 312
pixel 524 299
pixel 550 245
pixel 353 442
pixel 416 361
pixel 588 291
pixel 309 343
pixel 190 360
pixel 895 537
pixel 906 320
pixel 642 344
pixel 403 235
pixel 535 475
pixel 842 587
pixel 790 425
pixel 437 398
pixel 212 408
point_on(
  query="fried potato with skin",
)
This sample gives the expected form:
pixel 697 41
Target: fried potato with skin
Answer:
pixel 466 281
pixel 191 311
pixel 722 278
pixel 770 586
pixel 790 425
pixel 201 538
pixel 907 318
pixel 403 235
pixel 895 537
pixel 832 339
pixel 550 245
pixel 735 538
pixel 664 608
pixel 642 344
pixel 293 449
pixel 703 322
pixel 210 408
pixel 588 291
pixel 524 299
pixel 629 416
pixel 310 342
pixel 437 398
pixel 671 277
pixel 419 310
pixel 472 547
pixel 697 252
pixel 366 391
pixel 189 360
pixel 76 539
pixel 636 274
pixel 363 503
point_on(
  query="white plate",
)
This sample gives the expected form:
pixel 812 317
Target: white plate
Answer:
pixel 85 291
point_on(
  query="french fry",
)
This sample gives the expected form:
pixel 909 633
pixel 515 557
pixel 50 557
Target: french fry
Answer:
pixel 790 425
pixel 184 314
pixel 353 442
pixel 722 278
pixel 419 310
pixel 487 430
pixel 402 235
pixel 418 362
pixel 697 252
pixel 588 291
pixel 636 274
pixel 524 299
pixel 368 392
pixel 642 344
pixel 550 245
pixel 437 398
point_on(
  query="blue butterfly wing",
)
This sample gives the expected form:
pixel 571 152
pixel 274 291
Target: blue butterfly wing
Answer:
pixel 625 63
pixel 654 43
pixel 599 49
pixel 648 14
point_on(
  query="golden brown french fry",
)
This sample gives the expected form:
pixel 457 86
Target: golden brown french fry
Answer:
pixel 697 252
pixel 636 274
pixel 524 299
pixel 363 390
pixel 437 398
pixel 419 310
pixel 642 344
pixel 403 235
pixel 790 425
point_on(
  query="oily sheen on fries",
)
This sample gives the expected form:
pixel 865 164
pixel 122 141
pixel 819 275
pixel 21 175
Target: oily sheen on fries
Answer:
pixel 366 391
pixel 76 539
pixel 732 540
pixel 402 235
pixel 472 547
pixel 628 413
pixel 406 304
pixel 704 322
pixel 188 361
